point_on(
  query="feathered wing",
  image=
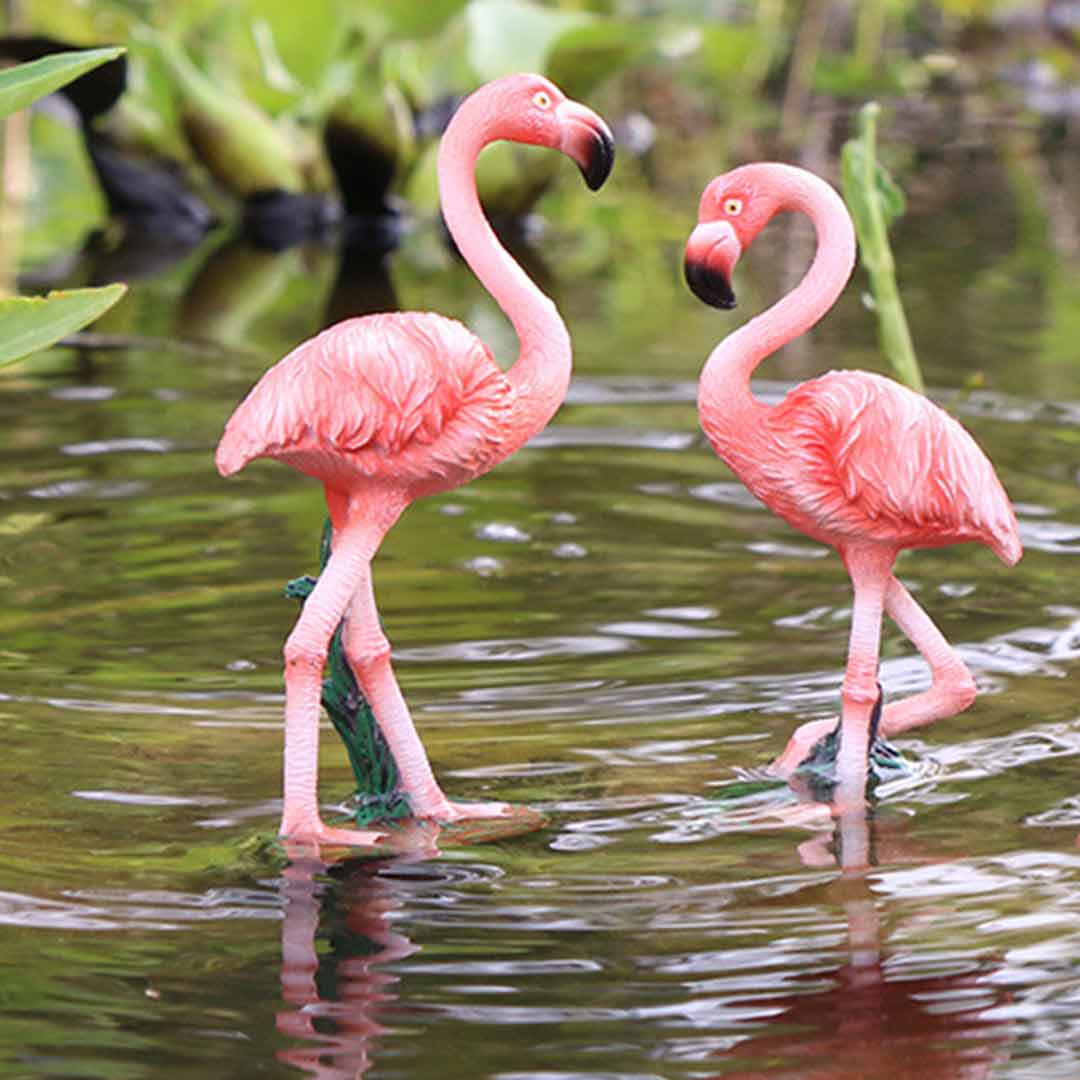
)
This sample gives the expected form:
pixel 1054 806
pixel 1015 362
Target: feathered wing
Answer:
pixel 378 395
pixel 880 460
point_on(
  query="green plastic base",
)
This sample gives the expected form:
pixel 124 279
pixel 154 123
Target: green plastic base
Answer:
pixel 818 771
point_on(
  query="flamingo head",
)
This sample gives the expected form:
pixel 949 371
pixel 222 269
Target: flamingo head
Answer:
pixel 734 208
pixel 531 109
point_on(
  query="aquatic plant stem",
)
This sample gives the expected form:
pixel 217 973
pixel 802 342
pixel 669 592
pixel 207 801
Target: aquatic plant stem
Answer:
pixel 866 187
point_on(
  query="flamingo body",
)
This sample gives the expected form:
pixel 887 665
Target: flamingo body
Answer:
pixel 826 460
pixel 408 399
pixel 387 408
pixel 852 459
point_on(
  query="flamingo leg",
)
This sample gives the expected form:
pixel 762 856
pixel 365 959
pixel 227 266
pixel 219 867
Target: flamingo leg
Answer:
pixel 368 653
pixel 305 657
pixel 871 571
pixel 953 688
pixel 871 576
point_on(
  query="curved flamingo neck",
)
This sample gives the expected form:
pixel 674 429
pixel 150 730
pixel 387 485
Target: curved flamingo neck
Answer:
pixel 541 373
pixel 727 406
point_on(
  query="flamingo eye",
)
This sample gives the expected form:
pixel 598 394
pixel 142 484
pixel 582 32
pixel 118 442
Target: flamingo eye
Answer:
pixel 733 207
pixel 542 99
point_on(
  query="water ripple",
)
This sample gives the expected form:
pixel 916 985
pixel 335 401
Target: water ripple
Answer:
pixel 502 533
pixel 727 493
pixel 83 393
pixel 1065 814
pixel 118 446
pixel 130 798
pixel 1055 537
pixel 632 438
pixel 488 968
pixel 114 909
pixel 516 650
pixel 629 390
pixel 651 628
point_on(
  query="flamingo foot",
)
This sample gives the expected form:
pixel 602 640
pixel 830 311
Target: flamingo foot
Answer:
pixel 451 812
pixel 314 832
pixel 813 753
pixel 800 746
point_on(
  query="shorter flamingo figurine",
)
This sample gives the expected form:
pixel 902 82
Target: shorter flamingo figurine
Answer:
pixel 852 459
pixel 384 409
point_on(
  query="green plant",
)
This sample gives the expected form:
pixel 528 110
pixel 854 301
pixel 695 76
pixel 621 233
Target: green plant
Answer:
pixel 30 323
pixel 876 202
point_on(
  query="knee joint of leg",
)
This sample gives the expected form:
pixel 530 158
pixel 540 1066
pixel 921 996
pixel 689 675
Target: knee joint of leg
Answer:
pixel 303 654
pixel 962 687
pixel 860 690
pixel 369 650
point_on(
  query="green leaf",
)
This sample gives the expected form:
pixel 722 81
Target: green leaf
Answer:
pixel 236 140
pixel 414 20
pixel 583 56
pixel 853 169
pixel 29 323
pixel 893 203
pixel 24 84
pixel 510 35
pixel 889 196
pixel 727 50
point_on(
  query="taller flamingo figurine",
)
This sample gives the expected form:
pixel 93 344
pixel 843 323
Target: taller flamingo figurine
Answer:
pixel 386 408
pixel 853 459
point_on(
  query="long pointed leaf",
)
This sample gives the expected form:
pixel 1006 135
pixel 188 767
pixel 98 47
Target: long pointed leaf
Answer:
pixel 29 323
pixel 24 84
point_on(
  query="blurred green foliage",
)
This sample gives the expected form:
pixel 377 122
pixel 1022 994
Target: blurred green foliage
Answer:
pixel 245 88
pixel 28 324
pixel 690 95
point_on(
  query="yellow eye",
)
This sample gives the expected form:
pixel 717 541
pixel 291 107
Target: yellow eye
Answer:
pixel 542 99
pixel 732 207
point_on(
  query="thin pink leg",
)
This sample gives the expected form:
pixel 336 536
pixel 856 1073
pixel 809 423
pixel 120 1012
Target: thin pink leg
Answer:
pixel 871 571
pixel 368 653
pixel 953 688
pixel 305 656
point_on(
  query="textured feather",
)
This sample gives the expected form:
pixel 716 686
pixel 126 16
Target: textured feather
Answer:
pixel 411 396
pixel 856 455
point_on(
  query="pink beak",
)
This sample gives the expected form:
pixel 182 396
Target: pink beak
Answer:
pixel 711 254
pixel 588 140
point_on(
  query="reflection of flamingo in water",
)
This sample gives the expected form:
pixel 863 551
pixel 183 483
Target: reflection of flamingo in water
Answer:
pixel 852 459
pixel 387 408
pixel 875 1017
pixel 362 989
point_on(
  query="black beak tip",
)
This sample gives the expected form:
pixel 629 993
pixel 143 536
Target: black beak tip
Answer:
pixel 708 286
pixel 601 158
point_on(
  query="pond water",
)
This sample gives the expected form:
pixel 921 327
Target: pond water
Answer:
pixel 606 628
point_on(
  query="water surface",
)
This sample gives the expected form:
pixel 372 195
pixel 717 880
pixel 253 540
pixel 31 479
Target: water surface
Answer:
pixel 607 628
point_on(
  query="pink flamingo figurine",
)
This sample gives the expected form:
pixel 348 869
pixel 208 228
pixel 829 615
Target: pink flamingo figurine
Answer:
pixel 386 408
pixel 852 459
